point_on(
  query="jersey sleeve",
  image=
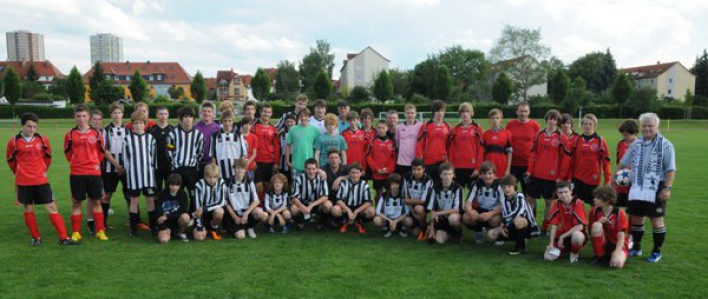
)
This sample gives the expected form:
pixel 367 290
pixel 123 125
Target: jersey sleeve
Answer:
pixel 429 197
pixel 324 189
pixel 380 205
pixel 480 147
pixel 533 156
pixel 295 190
pixel 11 155
pixel 472 197
pixel 606 161
pixel 371 160
pixel 68 151
pixel 622 221
pixel 422 139
pixel 367 194
pixel 47 152
pixel 555 214
pixel 199 194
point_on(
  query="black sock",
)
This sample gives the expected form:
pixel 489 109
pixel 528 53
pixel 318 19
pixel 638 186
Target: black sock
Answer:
pixel 90 224
pixel 637 234
pixel 105 207
pixel 134 218
pixel 659 236
pixel 477 227
pixel 152 217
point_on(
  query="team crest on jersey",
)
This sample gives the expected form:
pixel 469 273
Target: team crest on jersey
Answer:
pixel 92 139
pixel 593 147
pixel 554 142
pixel 390 147
pixel 38 146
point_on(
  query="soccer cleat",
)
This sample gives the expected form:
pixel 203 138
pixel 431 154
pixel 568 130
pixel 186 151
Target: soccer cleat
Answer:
pixel 68 242
pixel 479 237
pixel 76 236
pixel 387 234
pixel 91 227
pixel 214 235
pixel 251 233
pixel 635 252
pixel 655 257
pixel 516 250
pixel 343 228
pixel 101 235
pixel 286 229
pixel 271 229
pixel 421 235
pixel 183 237
pixel 403 232
pixel 574 258
pixel 36 242
pixel 360 227
pixel 498 243
pixel 142 226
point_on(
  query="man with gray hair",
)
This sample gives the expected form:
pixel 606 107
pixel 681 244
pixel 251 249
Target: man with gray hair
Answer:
pixel 652 159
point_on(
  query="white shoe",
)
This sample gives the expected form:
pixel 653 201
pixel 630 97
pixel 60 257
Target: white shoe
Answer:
pixel 251 234
pixel 387 234
pixel 498 243
pixel 573 258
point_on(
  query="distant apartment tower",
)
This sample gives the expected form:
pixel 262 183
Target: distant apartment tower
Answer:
pixel 23 45
pixel 106 47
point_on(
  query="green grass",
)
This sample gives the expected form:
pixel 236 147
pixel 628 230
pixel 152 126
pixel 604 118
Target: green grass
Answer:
pixel 322 264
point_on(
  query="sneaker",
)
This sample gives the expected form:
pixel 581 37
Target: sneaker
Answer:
pixel 101 235
pixel 516 250
pixel 301 225
pixel 142 226
pixel 307 217
pixel 635 252
pixel 421 235
pixel 68 242
pixel 387 233
pixel 286 229
pixel 655 257
pixel 214 235
pixel 343 228
pixel 574 258
pixel 251 233
pixel 76 236
pixel 498 243
pixel 36 242
pixel 271 229
pixel 599 260
pixel 183 237
pixel 479 237
pixel 403 233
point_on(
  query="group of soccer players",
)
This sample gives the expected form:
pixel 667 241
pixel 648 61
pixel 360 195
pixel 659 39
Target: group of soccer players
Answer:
pixel 229 175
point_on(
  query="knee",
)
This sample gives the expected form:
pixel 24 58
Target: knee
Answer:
pixel 370 212
pixel 183 219
pixel 294 211
pixel 408 221
pixel 286 215
pixel 520 222
pixel 419 210
pixel 596 230
pixel 378 221
pixel 454 219
pixel 336 211
pixel 240 235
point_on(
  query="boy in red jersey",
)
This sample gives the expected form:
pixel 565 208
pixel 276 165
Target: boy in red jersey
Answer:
pixel 381 157
pixel 251 144
pixel 497 143
pixel 29 156
pixel 608 229
pixel 83 148
pixel 546 164
pixel 367 118
pixel 522 131
pixel 567 225
pixel 432 141
pixel 465 149
pixel 567 128
pixel 357 141
pixel 629 130
pixel 268 150
pixel 589 157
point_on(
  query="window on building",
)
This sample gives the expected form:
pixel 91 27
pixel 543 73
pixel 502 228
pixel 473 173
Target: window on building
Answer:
pixel 237 90
pixel 669 91
pixel 671 80
pixel 152 78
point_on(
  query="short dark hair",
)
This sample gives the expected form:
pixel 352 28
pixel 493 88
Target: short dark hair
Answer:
pixel 174 179
pixel 355 165
pixel 606 194
pixel 321 103
pixel 161 107
pixel 418 162
pixel 522 103
pixel 266 105
pixel 563 184
pixel 250 103
pixel 437 105
pixel 96 111
pixel 629 126
pixel 352 115
pixel 28 116
pixel 185 111
pixel 393 178
pixel 552 114
pixel 311 161
pixel 245 120
pixel 566 118
pixel 446 167
pixel 487 166
pixel 334 151
pixel 208 105
pixel 80 108
pixel 508 180
pixel 304 111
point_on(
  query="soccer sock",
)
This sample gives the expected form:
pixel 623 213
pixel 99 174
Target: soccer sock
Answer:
pixel 153 221
pixel 133 222
pixel 105 206
pixel 100 223
pixel 31 222
pixel 575 248
pixel 90 224
pixel 597 246
pixel 659 236
pixel 637 234
pixel 477 227
pixel 76 223
pixel 58 224
pixel 546 224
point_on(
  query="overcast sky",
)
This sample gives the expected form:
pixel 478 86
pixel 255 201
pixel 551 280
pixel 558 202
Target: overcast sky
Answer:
pixel 247 34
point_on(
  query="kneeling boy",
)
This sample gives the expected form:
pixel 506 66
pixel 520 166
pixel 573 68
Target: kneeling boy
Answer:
pixel 353 201
pixel 443 204
pixel 242 207
pixel 567 220
pixel 482 208
pixel 310 194
pixel 518 222
pixel 171 210
pixel 392 213
pixel 210 194
pixel 608 228
pixel 414 185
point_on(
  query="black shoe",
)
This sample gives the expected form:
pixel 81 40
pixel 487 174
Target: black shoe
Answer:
pixel 517 249
pixel 91 227
pixel 456 237
pixel 36 242
pixel 68 242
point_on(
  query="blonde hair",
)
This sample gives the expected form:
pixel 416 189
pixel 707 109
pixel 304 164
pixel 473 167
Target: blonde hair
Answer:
pixel 115 106
pixel 211 170
pixel 241 163
pixel 331 120
pixel 590 117
pixel 227 115
pixel 409 106
pixel 494 112
pixel 137 116
pixel 227 105
pixel 466 107
pixel 142 104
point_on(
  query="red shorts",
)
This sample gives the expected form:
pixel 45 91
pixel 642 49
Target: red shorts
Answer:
pixel 608 247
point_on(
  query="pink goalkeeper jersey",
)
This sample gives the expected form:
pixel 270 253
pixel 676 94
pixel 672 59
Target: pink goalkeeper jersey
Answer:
pixel 406 140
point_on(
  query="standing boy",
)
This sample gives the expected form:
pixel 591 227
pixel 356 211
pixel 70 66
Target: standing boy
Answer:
pixel 497 143
pixel 466 151
pixel 568 224
pixel 140 162
pixel 300 142
pixel 331 140
pixel 381 157
pixel 160 132
pixel 185 145
pixel 406 138
pixel 268 150
pixel 432 141
pixel 522 131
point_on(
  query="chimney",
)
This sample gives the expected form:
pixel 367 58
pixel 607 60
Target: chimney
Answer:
pixel 658 62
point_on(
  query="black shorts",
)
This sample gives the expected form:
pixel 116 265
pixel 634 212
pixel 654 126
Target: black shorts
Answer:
pixel 161 176
pixel 622 199
pixel 403 170
pixel 110 182
pixel 83 185
pixel 519 172
pixel 463 176
pixel 231 226
pixel 379 184
pixel 264 171
pixel 35 195
pixel 149 191
pixel 189 181
pixel 647 209
pixel 443 223
pixel 171 223
pixel 540 188
pixel 583 191
pixel 434 172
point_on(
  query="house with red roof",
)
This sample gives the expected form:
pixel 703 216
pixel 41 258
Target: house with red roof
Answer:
pixel 670 79
pixel 46 71
pixel 230 86
pixel 159 76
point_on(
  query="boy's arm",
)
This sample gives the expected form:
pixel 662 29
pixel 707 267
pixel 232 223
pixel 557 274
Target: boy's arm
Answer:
pixel 68 151
pixel 420 145
pixel 344 157
pixel 10 155
pixel 552 235
pixel 363 207
pixel 317 156
pixel 287 156
pixel 254 198
pixel 480 148
pixel 606 163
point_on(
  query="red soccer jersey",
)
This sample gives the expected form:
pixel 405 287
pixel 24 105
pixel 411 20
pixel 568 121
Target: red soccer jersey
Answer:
pixel 268 143
pixel 622 147
pixel 149 125
pixel 29 159
pixel 357 145
pixel 497 148
pixel 590 156
pixel 618 223
pixel 546 159
pixel 522 140
pixel 432 142
pixel 566 217
pixel 381 154
pixel 252 146
pixel 465 150
pixel 568 145
pixel 84 151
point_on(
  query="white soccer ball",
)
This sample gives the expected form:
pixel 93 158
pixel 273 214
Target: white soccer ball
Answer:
pixel 623 177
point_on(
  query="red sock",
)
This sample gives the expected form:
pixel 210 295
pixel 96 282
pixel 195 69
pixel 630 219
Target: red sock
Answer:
pixel 546 224
pixel 58 223
pixel 575 248
pixel 76 223
pixel 31 222
pixel 98 220
pixel 598 246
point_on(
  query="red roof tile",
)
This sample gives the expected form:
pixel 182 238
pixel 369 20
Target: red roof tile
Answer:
pixel 172 71
pixel 648 71
pixel 43 69
pixel 246 80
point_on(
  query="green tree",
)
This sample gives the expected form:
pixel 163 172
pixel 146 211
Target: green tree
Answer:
pixel 622 89
pixel 175 92
pixel 97 76
pixel 322 85
pixel 578 91
pixel 75 88
pixel 688 98
pixel 359 94
pixel 260 85
pixel 107 93
pixel 383 87
pixel 58 87
pixel 32 75
pixel 502 89
pixel 198 88
pixel 558 85
pixel 645 99
pixel 400 82
pixel 31 88
pixel 597 69
pixel 287 81
pixel 138 87
pixel 13 88
pixel 525 48
pixel 319 58
pixel 423 77
pixel 443 84
pixel 700 70
pixel 469 69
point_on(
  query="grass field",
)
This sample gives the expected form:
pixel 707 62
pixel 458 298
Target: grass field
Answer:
pixel 323 264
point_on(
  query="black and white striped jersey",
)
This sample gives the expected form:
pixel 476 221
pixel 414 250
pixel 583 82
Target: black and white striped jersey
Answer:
pixel 276 201
pixel 413 188
pixel 241 194
pixel 309 190
pixel 487 198
pixel 186 148
pixel 210 197
pixel 392 206
pixel 115 140
pixel 439 199
pixel 227 147
pixel 516 206
pixel 140 160
pixel 354 194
